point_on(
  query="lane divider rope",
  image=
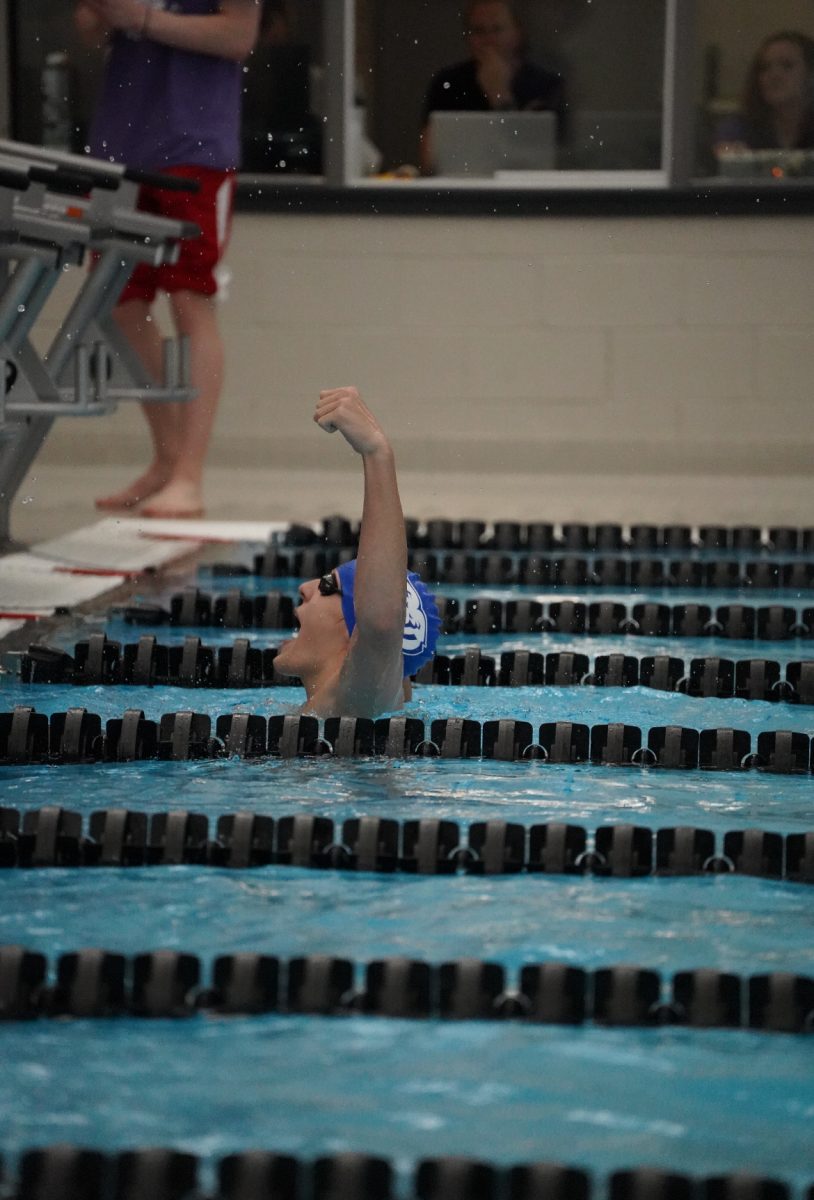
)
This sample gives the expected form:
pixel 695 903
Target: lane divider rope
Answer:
pixel 100 661
pixel 544 569
pixel 439 533
pixel 66 1172
pixel 56 836
pixel 76 736
pixel 170 983
pixel 233 609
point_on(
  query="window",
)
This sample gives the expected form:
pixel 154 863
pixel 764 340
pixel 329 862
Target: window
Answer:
pixel 755 94
pixel 53 79
pixel 344 94
pixel 579 109
pixel 283 104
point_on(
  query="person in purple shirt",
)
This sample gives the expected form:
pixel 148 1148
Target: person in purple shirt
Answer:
pixel 170 101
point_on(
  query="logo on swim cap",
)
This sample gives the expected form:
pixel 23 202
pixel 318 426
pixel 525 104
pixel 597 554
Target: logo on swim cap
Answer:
pixel 422 623
pixel 415 624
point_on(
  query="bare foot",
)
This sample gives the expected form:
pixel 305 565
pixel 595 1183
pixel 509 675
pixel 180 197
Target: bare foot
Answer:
pixel 176 499
pixel 152 481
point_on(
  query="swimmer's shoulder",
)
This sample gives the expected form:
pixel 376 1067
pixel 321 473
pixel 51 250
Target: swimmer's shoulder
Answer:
pixel 337 701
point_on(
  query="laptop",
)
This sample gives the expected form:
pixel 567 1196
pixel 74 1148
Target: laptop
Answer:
pixel 482 143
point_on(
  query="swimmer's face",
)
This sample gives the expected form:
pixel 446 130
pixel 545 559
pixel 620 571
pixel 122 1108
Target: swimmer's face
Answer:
pixel 323 633
pixel 492 29
pixel 782 73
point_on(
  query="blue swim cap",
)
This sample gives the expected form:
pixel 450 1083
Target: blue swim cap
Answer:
pixel 422 623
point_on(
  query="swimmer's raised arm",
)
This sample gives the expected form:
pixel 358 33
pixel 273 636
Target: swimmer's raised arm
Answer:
pixel 373 668
pixel 368 625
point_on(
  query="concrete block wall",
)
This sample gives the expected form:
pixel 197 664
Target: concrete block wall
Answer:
pixel 602 346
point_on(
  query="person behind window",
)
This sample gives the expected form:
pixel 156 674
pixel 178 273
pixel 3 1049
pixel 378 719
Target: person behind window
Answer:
pixel 497 75
pixel 778 103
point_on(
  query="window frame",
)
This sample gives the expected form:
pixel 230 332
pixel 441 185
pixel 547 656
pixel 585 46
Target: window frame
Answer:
pixel 672 189
pixel 339 32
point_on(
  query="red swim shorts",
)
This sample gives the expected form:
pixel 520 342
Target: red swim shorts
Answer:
pixel 211 209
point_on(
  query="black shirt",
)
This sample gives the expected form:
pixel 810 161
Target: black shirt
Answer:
pixel 456 88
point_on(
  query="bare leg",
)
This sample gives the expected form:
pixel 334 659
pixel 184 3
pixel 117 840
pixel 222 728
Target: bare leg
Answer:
pixel 182 493
pixel 141 330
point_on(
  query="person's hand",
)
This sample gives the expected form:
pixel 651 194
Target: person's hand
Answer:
pixel 342 409
pixel 127 15
pixel 495 73
pixel 92 29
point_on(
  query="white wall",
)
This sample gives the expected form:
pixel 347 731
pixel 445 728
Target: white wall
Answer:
pixel 601 345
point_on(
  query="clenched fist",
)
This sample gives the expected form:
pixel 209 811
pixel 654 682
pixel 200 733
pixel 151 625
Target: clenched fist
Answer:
pixel 342 409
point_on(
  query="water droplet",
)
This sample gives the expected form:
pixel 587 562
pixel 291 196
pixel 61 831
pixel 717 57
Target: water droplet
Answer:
pixel 21 308
pixel 27 499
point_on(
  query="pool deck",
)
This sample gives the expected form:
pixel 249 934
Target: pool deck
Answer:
pixel 56 499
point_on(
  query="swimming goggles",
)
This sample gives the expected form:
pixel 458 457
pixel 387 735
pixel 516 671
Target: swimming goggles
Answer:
pixel 328 585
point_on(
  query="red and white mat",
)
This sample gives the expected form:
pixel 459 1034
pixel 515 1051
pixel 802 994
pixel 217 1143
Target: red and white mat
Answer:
pixel 88 562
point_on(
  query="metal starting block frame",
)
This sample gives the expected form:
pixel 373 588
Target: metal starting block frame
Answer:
pixel 54 207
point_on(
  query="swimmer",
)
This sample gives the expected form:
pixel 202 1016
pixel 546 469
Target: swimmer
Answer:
pixel 368 625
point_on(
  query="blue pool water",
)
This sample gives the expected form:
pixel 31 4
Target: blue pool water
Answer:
pixel 696 1101
pixel 529 793
pixel 644 707
pixel 739 924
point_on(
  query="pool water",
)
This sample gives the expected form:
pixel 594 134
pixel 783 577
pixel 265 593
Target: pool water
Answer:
pixel 697 1101
pixel 737 924
pixel 529 792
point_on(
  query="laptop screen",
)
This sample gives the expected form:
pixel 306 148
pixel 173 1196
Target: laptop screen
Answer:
pixel 481 143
